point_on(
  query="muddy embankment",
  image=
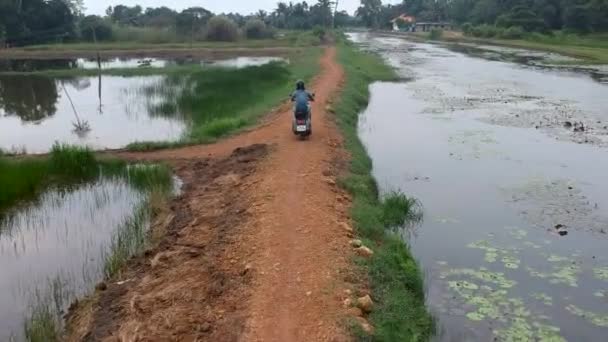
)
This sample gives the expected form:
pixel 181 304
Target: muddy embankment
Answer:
pixel 194 284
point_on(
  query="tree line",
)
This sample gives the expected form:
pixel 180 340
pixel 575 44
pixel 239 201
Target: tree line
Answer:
pixel 529 15
pixel 25 22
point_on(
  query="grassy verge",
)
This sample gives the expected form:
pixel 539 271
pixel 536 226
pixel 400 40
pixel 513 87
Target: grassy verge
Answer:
pixel 591 49
pixel 223 101
pixel 395 277
pixel 283 39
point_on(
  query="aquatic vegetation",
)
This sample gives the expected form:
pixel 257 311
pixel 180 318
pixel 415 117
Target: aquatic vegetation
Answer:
pixel 543 297
pixel 518 234
pixel 532 245
pixel 510 262
pixel 446 220
pixel 601 273
pixel 397 209
pixel 492 254
pixel 566 274
pixel 556 258
pixel 518 323
pixel 561 274
pixel 522 330
pixel 594 318
pixel 483 274
pixel 600 294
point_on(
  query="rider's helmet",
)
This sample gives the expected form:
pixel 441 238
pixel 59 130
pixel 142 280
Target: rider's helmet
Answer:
pixel 300 85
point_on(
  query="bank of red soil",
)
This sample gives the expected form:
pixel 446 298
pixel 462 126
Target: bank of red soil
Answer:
pixel 255 248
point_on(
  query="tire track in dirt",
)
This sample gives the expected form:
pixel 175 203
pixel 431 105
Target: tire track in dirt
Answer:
pixel 276 253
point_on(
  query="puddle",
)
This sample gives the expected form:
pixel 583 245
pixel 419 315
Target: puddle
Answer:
pixel 28 65
pixel 496 196
pixel 35 111
pixel 54 248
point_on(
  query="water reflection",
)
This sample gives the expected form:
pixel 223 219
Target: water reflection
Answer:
pixel 36 111
pixel 30 65
pixel 31 98
pixel 56 245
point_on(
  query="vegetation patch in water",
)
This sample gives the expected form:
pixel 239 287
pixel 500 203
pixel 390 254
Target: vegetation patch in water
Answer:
pixel 544 298
pixel 516 322
pixel 594 318
pixel 601 273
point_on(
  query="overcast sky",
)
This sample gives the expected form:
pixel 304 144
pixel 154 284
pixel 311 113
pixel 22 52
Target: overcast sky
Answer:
pixel 216 6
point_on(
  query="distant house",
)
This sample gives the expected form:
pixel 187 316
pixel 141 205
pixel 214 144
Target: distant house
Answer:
pixel 428 26
pixel 404 18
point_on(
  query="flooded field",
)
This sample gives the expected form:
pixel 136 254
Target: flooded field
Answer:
pixel 53 250
pixel 36 111
pixel 28 65
pixel 509 164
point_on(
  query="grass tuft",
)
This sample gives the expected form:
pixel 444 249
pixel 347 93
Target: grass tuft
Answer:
pixel 398 209
pixel 394 275
pixel 72 161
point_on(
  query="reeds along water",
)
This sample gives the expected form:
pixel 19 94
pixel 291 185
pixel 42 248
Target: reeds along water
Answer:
pixel 80 225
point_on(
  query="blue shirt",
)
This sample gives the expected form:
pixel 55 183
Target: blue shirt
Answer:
pixel 301 98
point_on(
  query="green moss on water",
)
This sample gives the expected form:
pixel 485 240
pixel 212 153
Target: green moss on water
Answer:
pixel 400 313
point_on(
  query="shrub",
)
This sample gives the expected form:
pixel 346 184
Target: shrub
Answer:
pixel 485 31
pixel 103 29
pixel 149 35
pixel 222 29
pixel 320 33
pixel 257 29
pixel 467 28
pixel 436 34
pixel 514 32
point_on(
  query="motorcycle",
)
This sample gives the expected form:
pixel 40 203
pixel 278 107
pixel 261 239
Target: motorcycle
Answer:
pixel 302 122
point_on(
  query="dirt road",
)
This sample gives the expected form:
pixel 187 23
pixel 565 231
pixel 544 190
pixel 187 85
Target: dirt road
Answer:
pixel 255 248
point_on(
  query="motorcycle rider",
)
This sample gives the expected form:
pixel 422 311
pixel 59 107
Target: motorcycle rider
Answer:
pixel 301 97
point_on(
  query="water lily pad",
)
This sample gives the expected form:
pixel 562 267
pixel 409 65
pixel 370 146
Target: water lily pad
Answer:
pixel 442 263
pixel 475 316
pixel 601 273
pixel 491 257
pixel 600 294
pixel 596 319
pixel 556 258
pixel 547 300
pixel 532 245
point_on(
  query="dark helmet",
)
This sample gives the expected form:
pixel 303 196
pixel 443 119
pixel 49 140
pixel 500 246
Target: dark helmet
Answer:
pixel 300 85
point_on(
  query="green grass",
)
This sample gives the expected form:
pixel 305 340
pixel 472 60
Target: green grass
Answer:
pixel 394 275
pixel 22 179
pixel 284 39
pixel 592 49
pixel 221 101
